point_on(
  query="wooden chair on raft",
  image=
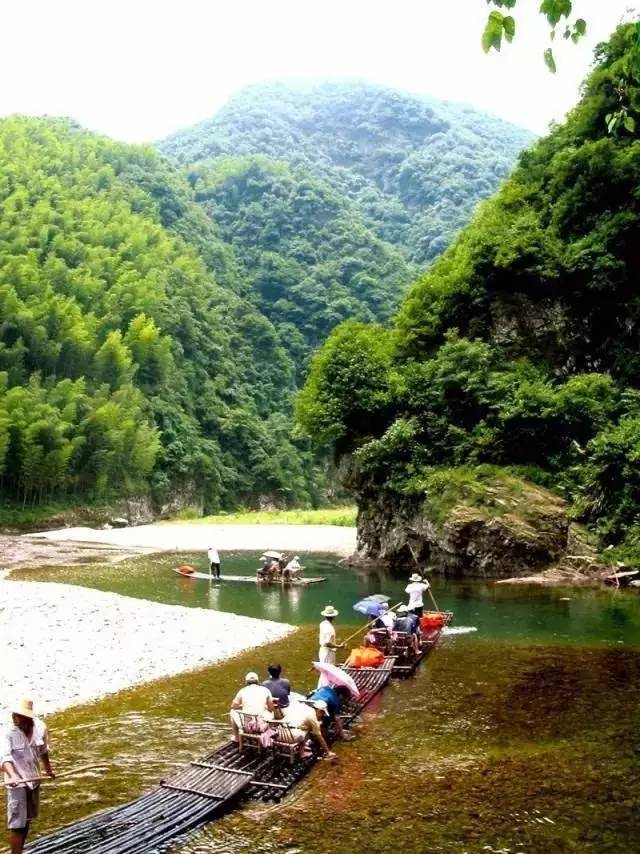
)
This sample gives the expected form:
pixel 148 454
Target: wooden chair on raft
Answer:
pixel 381 640
pixel 402 646
pixel 285 742
pixel 250 730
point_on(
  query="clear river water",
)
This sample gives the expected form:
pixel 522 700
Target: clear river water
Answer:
pixel 520 736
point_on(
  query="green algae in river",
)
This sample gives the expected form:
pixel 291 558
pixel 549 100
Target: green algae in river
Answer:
pixel 490 748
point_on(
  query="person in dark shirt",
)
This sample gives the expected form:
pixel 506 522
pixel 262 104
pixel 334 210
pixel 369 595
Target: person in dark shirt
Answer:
pixel 280 688
pixel 408 623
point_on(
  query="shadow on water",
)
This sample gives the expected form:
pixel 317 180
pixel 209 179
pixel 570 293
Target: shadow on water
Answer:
pixel 522 737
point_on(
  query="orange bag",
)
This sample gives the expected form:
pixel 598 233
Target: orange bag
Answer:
pixel 431 621
pixel 366 656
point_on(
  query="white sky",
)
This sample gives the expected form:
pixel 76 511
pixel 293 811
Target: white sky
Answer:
pixel 139 69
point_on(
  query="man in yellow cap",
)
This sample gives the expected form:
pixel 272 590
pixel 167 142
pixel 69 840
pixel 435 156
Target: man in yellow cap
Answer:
pixel 24 745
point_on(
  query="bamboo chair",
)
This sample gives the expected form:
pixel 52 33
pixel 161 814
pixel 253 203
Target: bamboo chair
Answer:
pixel 402 646
pixel 285 742
pixel 250 730
pixel 382 640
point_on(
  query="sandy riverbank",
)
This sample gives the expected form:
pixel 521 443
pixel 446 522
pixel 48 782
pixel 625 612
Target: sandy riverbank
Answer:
pixel 165 536
pixel 65 645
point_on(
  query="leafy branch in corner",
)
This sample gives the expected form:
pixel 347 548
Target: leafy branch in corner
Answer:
pixel 559 14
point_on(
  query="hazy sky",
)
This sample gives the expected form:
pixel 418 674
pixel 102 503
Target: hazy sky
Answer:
pixel 137 70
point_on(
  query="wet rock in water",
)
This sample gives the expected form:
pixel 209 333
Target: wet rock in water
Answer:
pixel 119 522
pixel 509 528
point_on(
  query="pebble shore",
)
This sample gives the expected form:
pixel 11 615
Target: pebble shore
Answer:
pixel 64 645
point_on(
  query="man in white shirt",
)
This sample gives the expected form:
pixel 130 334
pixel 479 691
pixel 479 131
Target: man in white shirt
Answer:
pixel 253 699
pixel 304 720
pixel 24 745
pixel 327 636
pixel 214 562
pixel 416 589
pixel 293 568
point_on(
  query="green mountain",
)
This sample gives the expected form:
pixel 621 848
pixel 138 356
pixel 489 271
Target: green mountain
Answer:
pixel 302 248
pixel 414 168
pixel 131 355
pixel 519 348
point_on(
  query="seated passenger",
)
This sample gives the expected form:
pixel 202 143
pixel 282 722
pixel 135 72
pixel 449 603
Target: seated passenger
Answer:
pixel 279 688
pixel 386 620
pixel 409 624
pixel 335 697
pixel 304 720
pixel 293 568
pixel 253 699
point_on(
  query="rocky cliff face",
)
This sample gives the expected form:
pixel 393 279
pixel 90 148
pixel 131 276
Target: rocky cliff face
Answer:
pixel 507 534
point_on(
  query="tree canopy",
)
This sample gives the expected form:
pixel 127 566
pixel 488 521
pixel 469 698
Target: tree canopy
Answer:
pixel 414 168
pixel 519 348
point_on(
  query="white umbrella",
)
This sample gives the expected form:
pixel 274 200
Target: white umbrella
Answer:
pixel 336 676
pixel 275 555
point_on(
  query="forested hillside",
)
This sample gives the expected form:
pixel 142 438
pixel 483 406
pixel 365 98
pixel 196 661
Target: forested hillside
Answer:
pixel 518 351
pixel 130 354
pixel 301 246
pixel 413 167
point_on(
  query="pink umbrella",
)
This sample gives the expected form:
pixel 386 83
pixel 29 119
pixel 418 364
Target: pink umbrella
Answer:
pixel 335 676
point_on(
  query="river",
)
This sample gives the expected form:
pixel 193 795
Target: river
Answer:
pixel 520 736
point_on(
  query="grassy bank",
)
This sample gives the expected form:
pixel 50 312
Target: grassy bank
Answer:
pixel 344 517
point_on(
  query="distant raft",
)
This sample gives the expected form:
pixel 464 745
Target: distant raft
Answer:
pixel 291 582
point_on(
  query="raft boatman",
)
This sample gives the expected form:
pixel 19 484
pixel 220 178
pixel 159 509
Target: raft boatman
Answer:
pixel 327 637
pixel 214 562
pixel 25 744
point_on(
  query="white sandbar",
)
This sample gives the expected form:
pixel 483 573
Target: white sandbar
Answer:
pixel 64 645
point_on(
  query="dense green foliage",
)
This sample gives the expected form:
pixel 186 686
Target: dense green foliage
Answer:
pixel 303 248
pixel 414 168
pixel 129 355
pixel 520 347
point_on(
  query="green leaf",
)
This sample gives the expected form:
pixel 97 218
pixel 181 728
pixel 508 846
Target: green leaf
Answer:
pixel 492 36
pixel 555 10
pixel 630 124
pixel 509 27
pixel 580 26
pixel 611 124
pixel 550 61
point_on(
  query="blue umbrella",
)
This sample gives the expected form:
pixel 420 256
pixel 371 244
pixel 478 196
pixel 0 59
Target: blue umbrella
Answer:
pixel 370 607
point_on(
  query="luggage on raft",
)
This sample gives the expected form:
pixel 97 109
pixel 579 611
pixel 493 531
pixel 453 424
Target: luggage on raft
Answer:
pixel 185 570
pixel 365 656
pixel 431 620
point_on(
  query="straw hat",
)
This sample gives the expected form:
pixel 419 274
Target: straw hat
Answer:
pixel 329 611
pixel 252 677
pixel 415 577
pixel 24 708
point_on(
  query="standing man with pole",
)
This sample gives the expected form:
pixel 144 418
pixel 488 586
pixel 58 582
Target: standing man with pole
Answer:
pixel 24 745
pixel 214 563
pixel 327 638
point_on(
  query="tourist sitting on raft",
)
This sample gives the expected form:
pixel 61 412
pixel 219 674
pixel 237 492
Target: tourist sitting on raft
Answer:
pixel 409 624
pixel 304 719
pixel 253 699
pixel 279 688
pixel 335 697
pixel 386 620
pixel 293 569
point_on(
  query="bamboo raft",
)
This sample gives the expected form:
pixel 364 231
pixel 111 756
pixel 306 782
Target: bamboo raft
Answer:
pixel 208 787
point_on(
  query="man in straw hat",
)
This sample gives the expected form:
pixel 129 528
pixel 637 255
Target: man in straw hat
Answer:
pixel 327 638
pixel 24 745
pixel 416 588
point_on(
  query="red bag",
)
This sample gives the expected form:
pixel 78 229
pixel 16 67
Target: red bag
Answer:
pixel 431 621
